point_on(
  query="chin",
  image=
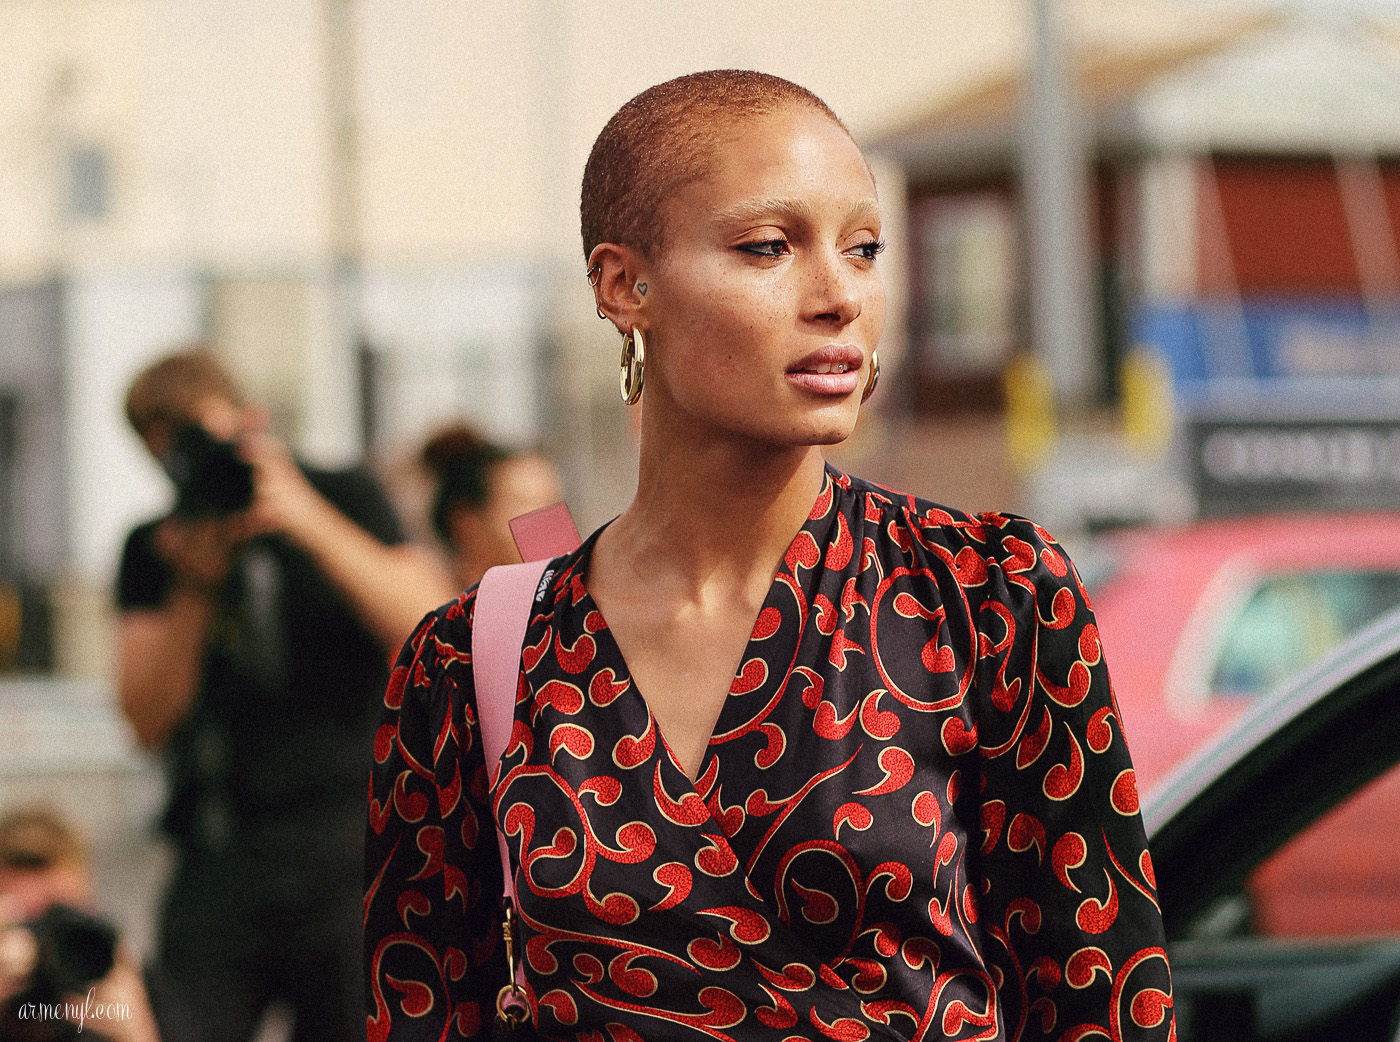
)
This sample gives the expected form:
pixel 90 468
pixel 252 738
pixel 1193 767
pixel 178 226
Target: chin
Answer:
pixel 834 437
pixel 818 430
pixel 795 424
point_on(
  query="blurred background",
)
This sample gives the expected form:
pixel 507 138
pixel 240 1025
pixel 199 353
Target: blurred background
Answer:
pixel 1142 267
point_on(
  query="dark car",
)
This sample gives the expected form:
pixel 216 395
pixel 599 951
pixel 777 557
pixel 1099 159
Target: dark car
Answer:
pixel 1295 761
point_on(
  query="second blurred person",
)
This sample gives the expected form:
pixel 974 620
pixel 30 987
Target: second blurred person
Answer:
pixel 480 487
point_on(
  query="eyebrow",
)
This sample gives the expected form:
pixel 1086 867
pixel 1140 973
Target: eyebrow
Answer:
pixel 793 209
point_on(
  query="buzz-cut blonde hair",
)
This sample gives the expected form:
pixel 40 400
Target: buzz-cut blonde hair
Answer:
pixel 661 140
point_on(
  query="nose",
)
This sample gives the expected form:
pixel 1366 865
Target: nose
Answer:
pixel 835 292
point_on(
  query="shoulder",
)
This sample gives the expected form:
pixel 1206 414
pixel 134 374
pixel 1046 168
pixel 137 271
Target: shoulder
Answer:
pixel 432 676
pixel 441 645
pixel 142 537
pixel 971 545
pixel 435 663
pixel 908 513
pixel 142 576
pixel 442 639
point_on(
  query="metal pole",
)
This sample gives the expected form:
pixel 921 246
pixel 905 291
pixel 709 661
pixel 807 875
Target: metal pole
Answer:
pixel 1055 170
pixel 340 115
pixel 332 428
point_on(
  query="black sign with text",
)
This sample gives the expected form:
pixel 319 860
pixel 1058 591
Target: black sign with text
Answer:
pixel 1269 464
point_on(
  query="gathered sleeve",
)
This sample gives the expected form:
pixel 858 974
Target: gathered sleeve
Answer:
pixel 433 954
pixel 1069 905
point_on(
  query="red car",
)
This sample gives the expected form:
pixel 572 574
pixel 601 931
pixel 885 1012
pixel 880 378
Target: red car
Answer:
pixel 1200 619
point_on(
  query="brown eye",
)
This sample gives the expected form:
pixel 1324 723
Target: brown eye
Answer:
pixel 768 248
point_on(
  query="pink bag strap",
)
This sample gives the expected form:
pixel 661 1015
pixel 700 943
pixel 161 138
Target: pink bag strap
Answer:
pixel 504 599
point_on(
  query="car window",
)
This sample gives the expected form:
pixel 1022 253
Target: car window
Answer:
pixel 1277 857
pixel 1340 877
pixel 1292 620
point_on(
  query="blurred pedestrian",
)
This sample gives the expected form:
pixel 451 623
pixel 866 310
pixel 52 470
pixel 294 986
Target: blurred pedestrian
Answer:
pixel 63 976
pixel 255 624
pixel 480 487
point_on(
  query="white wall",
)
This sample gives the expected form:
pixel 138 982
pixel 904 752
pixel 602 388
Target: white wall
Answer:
pixel 1168 193
pixel 455 344
pixel 1315 83
pixel 118 321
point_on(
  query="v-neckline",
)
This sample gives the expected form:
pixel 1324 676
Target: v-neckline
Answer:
pixel 770 601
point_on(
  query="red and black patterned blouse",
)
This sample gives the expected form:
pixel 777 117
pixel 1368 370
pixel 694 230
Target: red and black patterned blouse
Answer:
pixel 917 817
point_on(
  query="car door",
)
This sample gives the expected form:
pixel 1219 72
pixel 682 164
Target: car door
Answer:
pixel 1295 759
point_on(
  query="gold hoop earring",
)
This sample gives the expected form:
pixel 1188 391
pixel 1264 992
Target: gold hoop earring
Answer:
pixel 634 360
pixel 874 377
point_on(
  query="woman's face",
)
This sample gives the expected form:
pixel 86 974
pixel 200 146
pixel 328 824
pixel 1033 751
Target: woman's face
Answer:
pixel 764 305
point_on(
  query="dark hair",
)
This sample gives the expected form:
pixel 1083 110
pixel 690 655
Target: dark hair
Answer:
pixel 660 141
pixel 167 391
pixel 460 459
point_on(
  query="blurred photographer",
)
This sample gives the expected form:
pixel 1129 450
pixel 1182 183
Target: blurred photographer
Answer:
pixel 62 974
pixel 255 628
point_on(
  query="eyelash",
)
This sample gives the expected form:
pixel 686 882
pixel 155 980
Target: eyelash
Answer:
pixel 757 248
pixel 872 249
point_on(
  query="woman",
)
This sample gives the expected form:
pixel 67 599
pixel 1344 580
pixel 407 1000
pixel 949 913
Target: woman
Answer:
pixel 795 756
pixel 480 487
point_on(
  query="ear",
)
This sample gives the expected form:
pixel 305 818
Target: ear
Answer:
pixel 621 287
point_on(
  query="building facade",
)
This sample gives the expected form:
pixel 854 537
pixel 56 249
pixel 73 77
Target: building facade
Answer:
pixel 1242 177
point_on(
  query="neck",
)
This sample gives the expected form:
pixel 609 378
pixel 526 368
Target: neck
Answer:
pixel 470 567
pixel 714 510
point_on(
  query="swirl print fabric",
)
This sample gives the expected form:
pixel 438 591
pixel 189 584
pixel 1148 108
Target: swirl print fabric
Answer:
pixel 917 817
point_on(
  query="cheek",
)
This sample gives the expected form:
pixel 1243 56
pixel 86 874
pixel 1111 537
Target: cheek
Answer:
pixel 729 324
pixel 874 309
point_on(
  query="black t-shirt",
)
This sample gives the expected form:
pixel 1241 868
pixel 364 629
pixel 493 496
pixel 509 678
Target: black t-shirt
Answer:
pixel 279 735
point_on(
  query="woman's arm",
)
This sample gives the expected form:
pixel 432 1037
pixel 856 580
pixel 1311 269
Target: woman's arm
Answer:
pixel 433 951
pixel 1070 900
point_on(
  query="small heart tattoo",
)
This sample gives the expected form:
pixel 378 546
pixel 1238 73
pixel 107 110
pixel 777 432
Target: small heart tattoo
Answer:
pixel 642 288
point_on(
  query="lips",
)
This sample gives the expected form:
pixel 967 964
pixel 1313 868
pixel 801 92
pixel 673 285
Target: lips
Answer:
pixel 830 370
